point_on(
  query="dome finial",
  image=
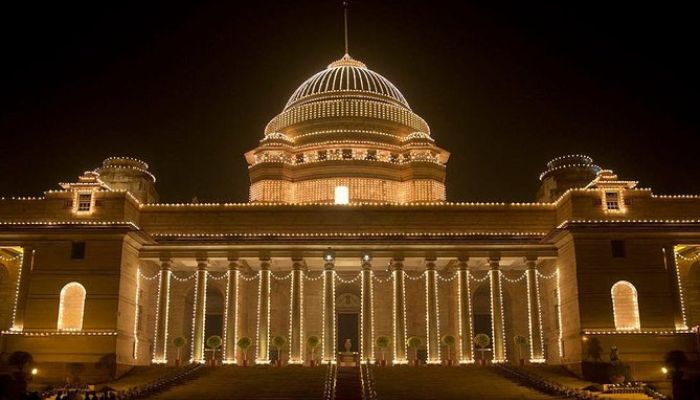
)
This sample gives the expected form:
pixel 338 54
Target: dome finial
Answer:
pixel 345 15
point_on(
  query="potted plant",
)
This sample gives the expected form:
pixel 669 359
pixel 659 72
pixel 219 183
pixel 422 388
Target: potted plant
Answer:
pixel 313 342
pixel 520 341
pixel 483 341
pixel 214 342
pixel 278 342
pixel 414 342
pixel 179 343
pixel 618 370
pixel 21 360
pixel 449 342
pixel 383 342
pixel 243 344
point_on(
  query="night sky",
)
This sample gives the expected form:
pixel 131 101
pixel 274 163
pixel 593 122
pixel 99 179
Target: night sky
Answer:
pixel 504 88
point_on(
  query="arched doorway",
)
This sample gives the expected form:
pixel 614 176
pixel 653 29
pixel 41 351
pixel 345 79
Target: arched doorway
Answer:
pixel 481 309
pixel 347 306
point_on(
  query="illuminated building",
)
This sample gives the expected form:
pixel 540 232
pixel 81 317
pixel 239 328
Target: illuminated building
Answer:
pixel 348 235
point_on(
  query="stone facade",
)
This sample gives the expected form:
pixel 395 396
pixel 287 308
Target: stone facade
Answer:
pixel 378 266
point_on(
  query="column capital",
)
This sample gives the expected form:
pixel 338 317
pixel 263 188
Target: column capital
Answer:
pixel 297 263
pixel 234 265
pixel 430 265
pixel 531 262
pixel 366 265
pixel 265 265
pixel 329 266
pixel 462 265
pixel 165 264
pixel 202 263
pixel 494 262
pixel 397 265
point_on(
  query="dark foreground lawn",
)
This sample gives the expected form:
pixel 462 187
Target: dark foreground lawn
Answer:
pixel 235 383
pixel 446 383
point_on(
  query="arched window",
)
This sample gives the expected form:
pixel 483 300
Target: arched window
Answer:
pixel 71 307
pixel 625 306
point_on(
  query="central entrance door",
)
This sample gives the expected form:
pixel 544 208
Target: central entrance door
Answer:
pixel 348 328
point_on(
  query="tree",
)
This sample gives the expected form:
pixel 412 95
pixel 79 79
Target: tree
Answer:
pixel 20 359
pixel 482 340
pixel 243 344
pixel 383 342
pixel 414 342
pixel 279 342
pixel 179 343
pixel 214 342
pixel 75 369
pixel 520 341
pixel 313 342
pixel 108 363
pixel 449 342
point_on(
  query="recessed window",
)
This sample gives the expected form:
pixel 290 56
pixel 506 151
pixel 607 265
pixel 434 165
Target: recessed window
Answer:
pixel 612 201
pixel 71 307
pixel 77 250
pixel 347 154
pixel 322 155
pixel 342 195
pixel 617 248
pixel 84 202
pixel 625 306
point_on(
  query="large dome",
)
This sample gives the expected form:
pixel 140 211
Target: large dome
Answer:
pixel 343 76
pixel 349 130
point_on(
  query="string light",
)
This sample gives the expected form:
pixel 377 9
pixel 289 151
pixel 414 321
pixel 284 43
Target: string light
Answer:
pixel 561 327
pixel 231 301
pixel 399 321
pixel 136 312
pixel 67 320
pixel 18 287
pixel 624 321
pixel 681 296
pixel 263 321
pixel 531 276
pixel 367 307
pixel 432 314
pixel 60 333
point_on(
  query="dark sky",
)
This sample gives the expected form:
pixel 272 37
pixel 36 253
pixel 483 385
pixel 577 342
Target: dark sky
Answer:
pixel 504 87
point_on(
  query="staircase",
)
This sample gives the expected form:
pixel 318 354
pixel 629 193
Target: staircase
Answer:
pixel 348 385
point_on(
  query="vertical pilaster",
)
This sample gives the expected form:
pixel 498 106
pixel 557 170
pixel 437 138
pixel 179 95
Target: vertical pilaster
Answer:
pixel 296 326
pixel 200 312
pixel 328 336
pixel 466 331
pixel 367 315
pixel 21 288
pixel 399 312
pixel 497 323
pixel 432 313
pixel 263 339
pixel 534 313
pixel 231 313
pixel 675 288
pixel 160 347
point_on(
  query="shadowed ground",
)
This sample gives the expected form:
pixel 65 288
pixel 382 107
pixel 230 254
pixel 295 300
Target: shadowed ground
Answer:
pixel 234 383
pixel 446 383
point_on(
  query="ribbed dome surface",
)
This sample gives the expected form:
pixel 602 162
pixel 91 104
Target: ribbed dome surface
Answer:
pixel 343 76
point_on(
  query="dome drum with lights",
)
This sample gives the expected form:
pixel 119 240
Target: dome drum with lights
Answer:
pixel 347 129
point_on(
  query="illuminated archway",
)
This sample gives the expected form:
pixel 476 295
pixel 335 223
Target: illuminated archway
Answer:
pixel 71 307
pixel 625 306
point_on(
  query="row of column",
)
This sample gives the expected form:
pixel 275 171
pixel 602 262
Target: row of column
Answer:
pixel 296 336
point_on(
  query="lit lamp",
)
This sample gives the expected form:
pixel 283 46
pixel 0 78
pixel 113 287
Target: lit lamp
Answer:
pixel 664 370
pixel 329 255
pixel 366 257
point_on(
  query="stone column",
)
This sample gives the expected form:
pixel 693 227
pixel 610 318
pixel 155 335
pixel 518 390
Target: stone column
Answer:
pixel 399 312
pixel 231 313
pixel 366 315
pixel 21 288
pixel 466 332
pixel 534 313
pixel 160 347
pixel 675 288
pixel 200 312
pixel 263 339
pixel 296 304
pixel 328 336
pixel 432 312
pixel 497 323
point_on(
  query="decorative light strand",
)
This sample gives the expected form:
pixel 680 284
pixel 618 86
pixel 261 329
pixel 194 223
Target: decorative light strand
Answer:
pixel 18 287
